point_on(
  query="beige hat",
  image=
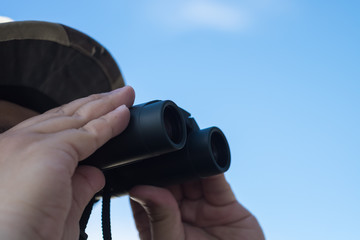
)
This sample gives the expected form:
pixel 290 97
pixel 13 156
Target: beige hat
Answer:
pixel 44 65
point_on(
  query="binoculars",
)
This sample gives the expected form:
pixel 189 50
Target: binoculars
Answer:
pixel 162 145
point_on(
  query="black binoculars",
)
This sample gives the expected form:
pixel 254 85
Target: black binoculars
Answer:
pixel 162 145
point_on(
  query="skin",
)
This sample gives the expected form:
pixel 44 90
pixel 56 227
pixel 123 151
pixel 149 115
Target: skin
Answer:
pixel 197 210
pixel 44 191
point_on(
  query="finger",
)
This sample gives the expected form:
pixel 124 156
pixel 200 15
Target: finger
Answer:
pixel 141 220
pixel 81 143
pixel 117 97
pixel 217 190
pixel 80 111
pixel 192 190
pixel 59 111
pixel 104 104
pixel 162 211
pixel 86 182
pixel 177 192
pixel 217 207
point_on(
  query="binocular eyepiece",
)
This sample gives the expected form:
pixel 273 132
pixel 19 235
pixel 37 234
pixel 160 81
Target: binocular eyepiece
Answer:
pixel 162 145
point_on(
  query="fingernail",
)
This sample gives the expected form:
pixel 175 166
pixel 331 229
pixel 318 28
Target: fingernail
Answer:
pixel 122 107
pixel 117 90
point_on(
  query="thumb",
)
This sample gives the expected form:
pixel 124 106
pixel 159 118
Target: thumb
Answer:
pixel 161 209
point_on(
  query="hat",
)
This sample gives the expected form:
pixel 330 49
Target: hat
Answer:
pixel 44 65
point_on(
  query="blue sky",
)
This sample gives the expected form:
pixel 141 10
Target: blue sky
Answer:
pixel 281 78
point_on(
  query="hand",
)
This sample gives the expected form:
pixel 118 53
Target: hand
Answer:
pixel 43 191
pixel 198 210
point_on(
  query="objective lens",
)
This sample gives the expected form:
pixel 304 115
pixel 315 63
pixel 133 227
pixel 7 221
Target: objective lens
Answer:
pixel 219 149
pixel 172 121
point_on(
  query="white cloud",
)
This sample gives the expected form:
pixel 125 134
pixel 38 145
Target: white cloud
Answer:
pixel 197 14
pixel 4 19
pixel 215 15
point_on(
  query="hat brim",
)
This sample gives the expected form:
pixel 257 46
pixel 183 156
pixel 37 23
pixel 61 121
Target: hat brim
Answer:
pixel 44 65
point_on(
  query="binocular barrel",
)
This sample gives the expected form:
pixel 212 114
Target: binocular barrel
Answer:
pixel 205 154
pixel 162 145
pixel 155 128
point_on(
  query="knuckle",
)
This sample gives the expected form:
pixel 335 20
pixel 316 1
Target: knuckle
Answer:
pixel 60 110
pixel 80 114
pixel 94 97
